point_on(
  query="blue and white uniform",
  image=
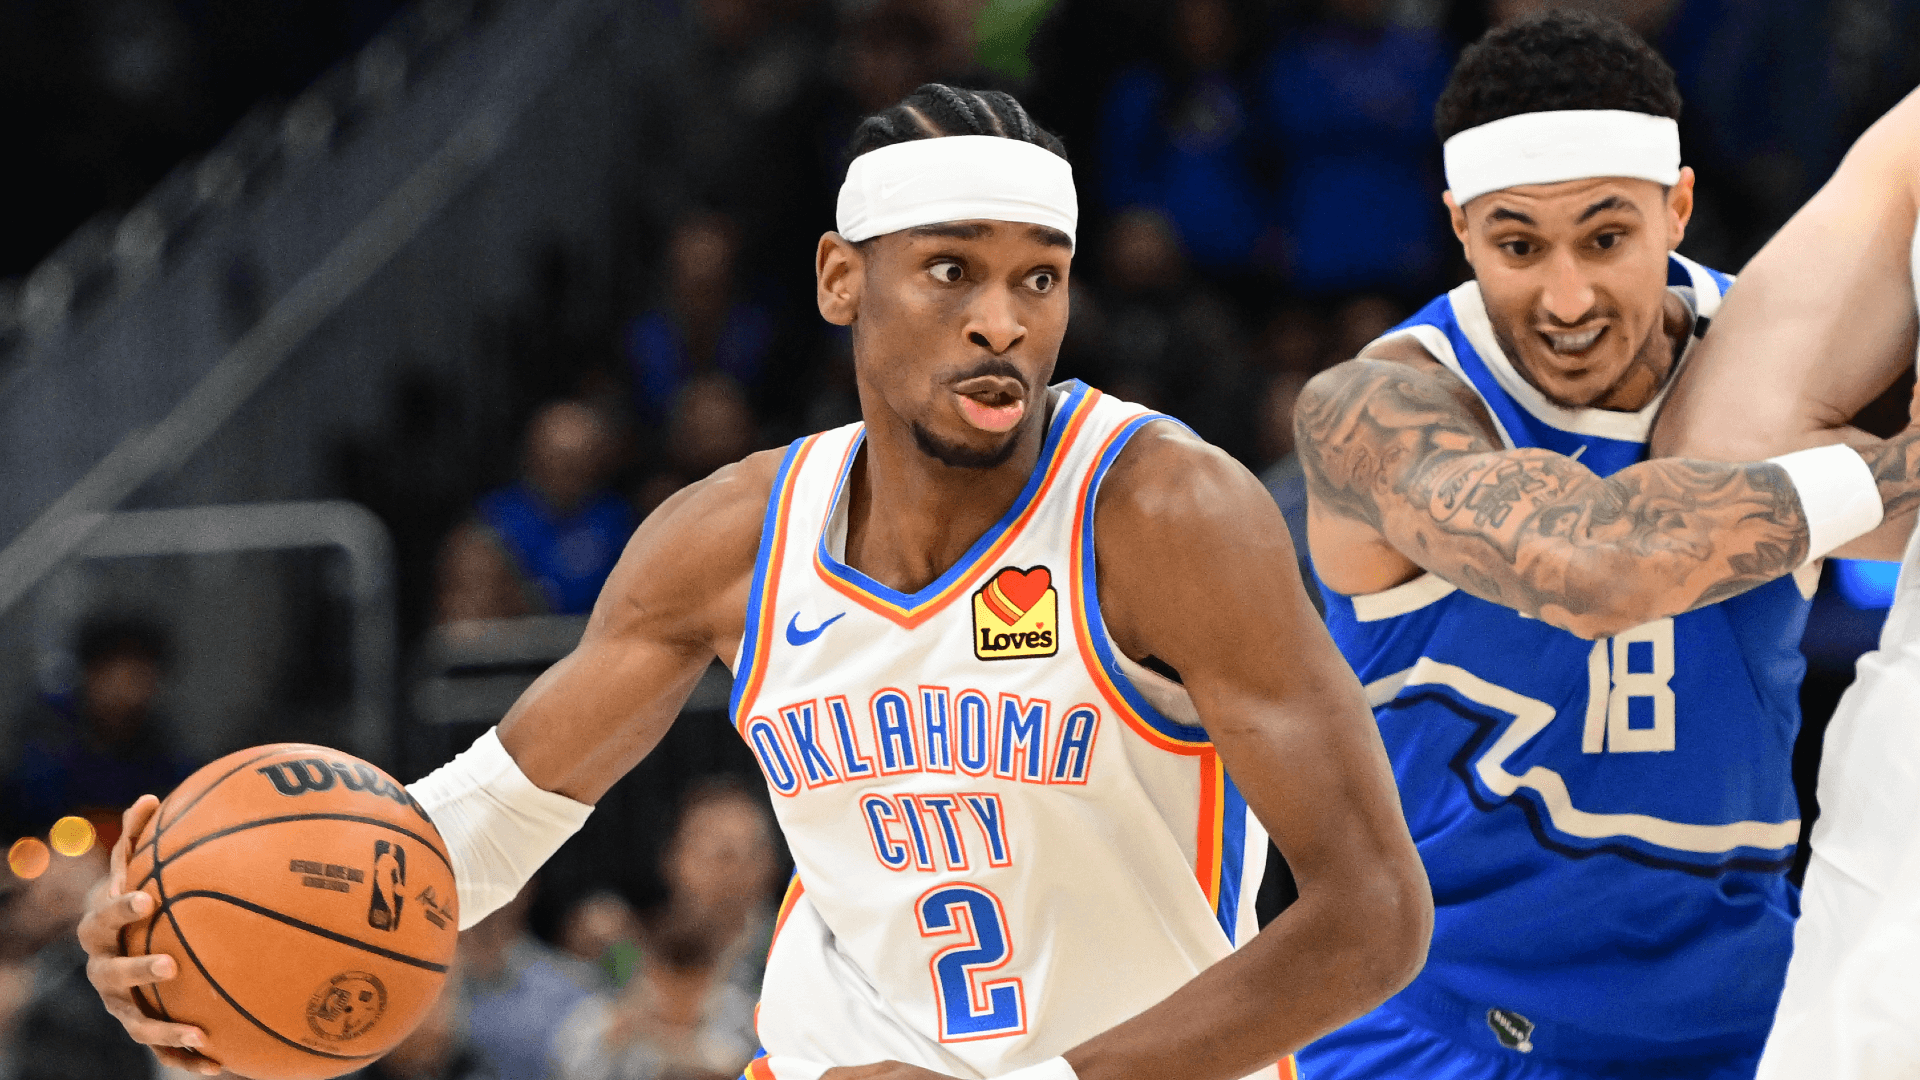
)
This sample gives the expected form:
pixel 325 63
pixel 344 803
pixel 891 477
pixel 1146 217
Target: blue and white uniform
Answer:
pixel 1606 824
pixel 1007 836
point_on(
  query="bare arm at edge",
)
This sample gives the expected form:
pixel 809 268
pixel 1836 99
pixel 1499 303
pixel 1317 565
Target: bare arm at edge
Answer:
pixel 1196 569
pixel 1819 324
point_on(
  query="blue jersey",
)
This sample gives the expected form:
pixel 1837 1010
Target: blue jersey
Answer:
pixel 1606 824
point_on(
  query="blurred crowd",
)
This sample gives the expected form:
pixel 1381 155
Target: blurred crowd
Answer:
pixel 1259 191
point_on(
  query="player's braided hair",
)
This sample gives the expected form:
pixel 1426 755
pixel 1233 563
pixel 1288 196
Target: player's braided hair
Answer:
pixel 1560 60
pixel 936 110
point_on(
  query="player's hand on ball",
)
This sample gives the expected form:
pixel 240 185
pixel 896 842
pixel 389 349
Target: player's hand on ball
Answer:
pixel 883 1070
pixel 114 975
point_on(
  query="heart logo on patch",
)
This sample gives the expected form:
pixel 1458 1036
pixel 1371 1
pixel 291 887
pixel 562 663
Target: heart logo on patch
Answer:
pixel 1022 589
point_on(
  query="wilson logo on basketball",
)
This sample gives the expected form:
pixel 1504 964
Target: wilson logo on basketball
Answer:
pixel 302 775
pixel 1016 615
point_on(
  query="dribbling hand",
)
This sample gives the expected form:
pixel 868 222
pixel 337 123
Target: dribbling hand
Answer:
pixel 114 976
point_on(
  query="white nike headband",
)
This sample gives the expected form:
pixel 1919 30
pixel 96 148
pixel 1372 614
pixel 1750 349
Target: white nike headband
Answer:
pixel 1570 144
pixel 956 178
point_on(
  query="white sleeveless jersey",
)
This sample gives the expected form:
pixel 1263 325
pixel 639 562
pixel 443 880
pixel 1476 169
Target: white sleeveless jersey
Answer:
pixel 1007 836
pixel 1851 1007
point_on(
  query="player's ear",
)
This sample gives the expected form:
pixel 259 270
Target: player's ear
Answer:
pixel 836 274
pixel 1679 207
pixel 1457 216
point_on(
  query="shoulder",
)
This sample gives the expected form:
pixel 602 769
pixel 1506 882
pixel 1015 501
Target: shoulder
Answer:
pixel 1168 483
pixel 697 549
pixel 1392 376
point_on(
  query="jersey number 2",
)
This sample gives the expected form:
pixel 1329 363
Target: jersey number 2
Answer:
pixel 1642 668
pixel 971 1007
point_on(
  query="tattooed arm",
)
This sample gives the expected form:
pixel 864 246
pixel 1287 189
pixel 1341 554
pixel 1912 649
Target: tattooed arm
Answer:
pixel 1402 468
pixel 1819 324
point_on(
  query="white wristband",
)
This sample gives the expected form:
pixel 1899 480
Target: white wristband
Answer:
pixel 499 827
pixel 1051 1069
pixel 1837 493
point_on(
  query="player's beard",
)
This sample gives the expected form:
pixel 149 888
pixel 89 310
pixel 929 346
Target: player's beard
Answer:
pixel 956 456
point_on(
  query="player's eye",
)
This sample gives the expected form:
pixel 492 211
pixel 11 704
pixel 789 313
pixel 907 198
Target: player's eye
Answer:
pixel 947 272
pixel 1042 281
pixel 1519 249
pixel 1605 241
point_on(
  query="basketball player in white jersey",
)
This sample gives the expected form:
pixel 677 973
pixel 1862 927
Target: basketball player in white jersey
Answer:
pixel 1821 322
pixel 1016 788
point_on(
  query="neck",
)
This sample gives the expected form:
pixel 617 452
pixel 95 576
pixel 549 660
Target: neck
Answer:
pixel 1654 364
pixel 910 518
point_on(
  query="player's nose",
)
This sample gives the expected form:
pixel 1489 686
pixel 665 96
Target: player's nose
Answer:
pixel 993 321
pixel 1568 295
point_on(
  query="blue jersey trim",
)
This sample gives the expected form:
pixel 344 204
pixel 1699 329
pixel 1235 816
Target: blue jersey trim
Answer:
pixel 1233 855
pixel 749 647
pixel 1077 397
pixel 1089 586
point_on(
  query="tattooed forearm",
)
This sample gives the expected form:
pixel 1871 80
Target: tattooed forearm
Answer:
pixel 1399 448
pixel 1896 469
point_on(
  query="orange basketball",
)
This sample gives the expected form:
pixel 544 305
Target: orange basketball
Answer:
pixel 308 903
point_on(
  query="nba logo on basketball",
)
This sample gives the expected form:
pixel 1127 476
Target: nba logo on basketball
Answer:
pixel 1016 615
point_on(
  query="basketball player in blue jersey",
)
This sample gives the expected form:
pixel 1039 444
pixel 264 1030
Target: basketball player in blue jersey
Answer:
pixel 1584 664
pixel 1017 789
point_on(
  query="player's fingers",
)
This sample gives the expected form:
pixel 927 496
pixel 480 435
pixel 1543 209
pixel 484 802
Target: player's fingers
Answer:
pixel 118 975
pixel 131 822
pixel 99 930
pixel 159 1034
pixel 190 1062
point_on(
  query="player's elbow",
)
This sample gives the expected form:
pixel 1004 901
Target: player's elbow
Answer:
pixel 1386 923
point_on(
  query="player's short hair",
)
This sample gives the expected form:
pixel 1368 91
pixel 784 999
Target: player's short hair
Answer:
pixel 1552 62
pixel 936 110
pixel 111 636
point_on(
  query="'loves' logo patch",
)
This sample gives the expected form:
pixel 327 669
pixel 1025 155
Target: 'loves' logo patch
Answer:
pixel 1016 615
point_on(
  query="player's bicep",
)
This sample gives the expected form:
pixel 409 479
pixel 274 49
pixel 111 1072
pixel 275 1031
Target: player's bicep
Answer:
pixel 1196 569
pixel 675 600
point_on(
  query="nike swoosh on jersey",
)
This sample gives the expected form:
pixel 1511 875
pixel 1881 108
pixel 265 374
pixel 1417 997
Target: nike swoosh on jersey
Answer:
pixel 797 636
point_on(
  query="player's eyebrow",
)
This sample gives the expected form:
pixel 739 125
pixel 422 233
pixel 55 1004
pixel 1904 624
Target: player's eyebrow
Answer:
pixel 1611 202
pixel 956 230
pixel 1504 214
pixel 1050 237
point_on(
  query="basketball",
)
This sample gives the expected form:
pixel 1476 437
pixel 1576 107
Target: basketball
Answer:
pixel 308 903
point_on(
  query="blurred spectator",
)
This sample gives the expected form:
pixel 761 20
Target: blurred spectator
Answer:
pixel 1176 138
pixel 94 752
pixel 726 110
pixel 545 543
pixel 1357 323
pixel 518 990
pixel 602 929
pixel 439 1049
pixel 711 426
pixel 1349 98
pixel 677 1020
pixel 1170 342
pixel 61 1031
pixel 719 866
pixel 700 326
pixel 687 1012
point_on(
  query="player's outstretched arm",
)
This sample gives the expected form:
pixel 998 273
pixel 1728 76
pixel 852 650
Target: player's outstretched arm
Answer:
pixel 677 598
pixel 1196 569
pixel 1819 324
pixel 1395 450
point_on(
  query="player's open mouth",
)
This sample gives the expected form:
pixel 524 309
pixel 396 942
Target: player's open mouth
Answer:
pixel 1573 344
pixel 991 402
